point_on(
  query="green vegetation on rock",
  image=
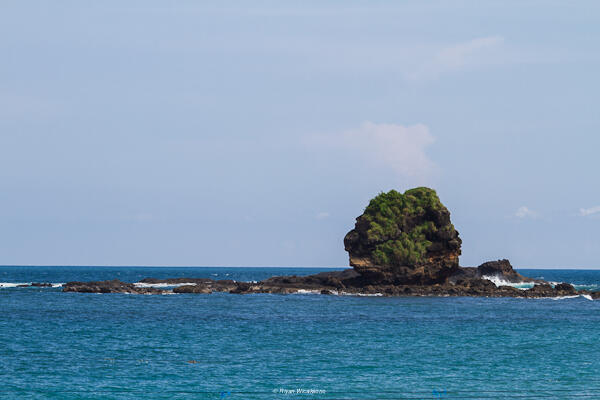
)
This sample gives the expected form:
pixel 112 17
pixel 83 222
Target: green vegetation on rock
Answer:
pixel 402 226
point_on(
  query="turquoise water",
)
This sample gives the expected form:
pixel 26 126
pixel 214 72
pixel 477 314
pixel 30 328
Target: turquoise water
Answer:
pixel 221 346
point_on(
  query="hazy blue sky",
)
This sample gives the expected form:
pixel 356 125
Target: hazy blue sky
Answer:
pixel 198 133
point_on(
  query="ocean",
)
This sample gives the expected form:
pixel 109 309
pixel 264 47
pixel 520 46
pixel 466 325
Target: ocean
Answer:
pixel 302 346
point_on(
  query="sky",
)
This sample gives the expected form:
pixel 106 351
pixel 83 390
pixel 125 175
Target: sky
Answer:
pixel 254 133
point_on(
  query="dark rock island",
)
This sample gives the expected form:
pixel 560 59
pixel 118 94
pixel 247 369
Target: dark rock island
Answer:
pixel 404 239
pixel 402 245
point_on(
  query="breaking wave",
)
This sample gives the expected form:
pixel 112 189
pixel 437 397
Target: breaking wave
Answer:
pixel 502 282
pixel 7 285
pixel 304 291
pixel 12 284
pixel 575 296
pixel 591 288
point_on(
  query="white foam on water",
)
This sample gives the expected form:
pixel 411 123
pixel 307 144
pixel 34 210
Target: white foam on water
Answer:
pixel 358 294
pixel 527 285
pixel 585 296
pixel 13 284
pixel 501 282
pixel 336 293
pixel 304 291
pixel 6 285
pixel 162 285
pixel 591 287
pixel 564 297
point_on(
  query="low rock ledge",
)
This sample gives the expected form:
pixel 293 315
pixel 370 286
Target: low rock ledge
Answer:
pixel 469 282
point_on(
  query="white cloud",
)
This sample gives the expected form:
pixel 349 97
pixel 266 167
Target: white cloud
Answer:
pixel 584 212
pixel 525 212
pixel 391 146
pixel 323 215
pixel 456 57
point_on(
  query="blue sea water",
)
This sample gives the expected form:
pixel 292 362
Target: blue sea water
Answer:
pixel 261 346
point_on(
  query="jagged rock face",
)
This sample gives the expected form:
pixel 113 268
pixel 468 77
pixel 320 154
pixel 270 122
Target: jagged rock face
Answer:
pixel 404 239
pixel 502 270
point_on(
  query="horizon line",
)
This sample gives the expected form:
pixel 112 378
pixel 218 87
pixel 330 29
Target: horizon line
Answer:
pixel 255 266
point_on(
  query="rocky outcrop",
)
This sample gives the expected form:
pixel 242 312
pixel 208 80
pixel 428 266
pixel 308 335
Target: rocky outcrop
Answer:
pixel 202 289
pixel 402 245
pixel 346 282
pixel 175 281
pixel 547 290
pixel 204 286
pixel 499 271
pixel 112 286
pixel 565 289
pixel 404 239
pixel 35 284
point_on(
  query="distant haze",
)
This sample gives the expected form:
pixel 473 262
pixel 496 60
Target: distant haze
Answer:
pixel 215 133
